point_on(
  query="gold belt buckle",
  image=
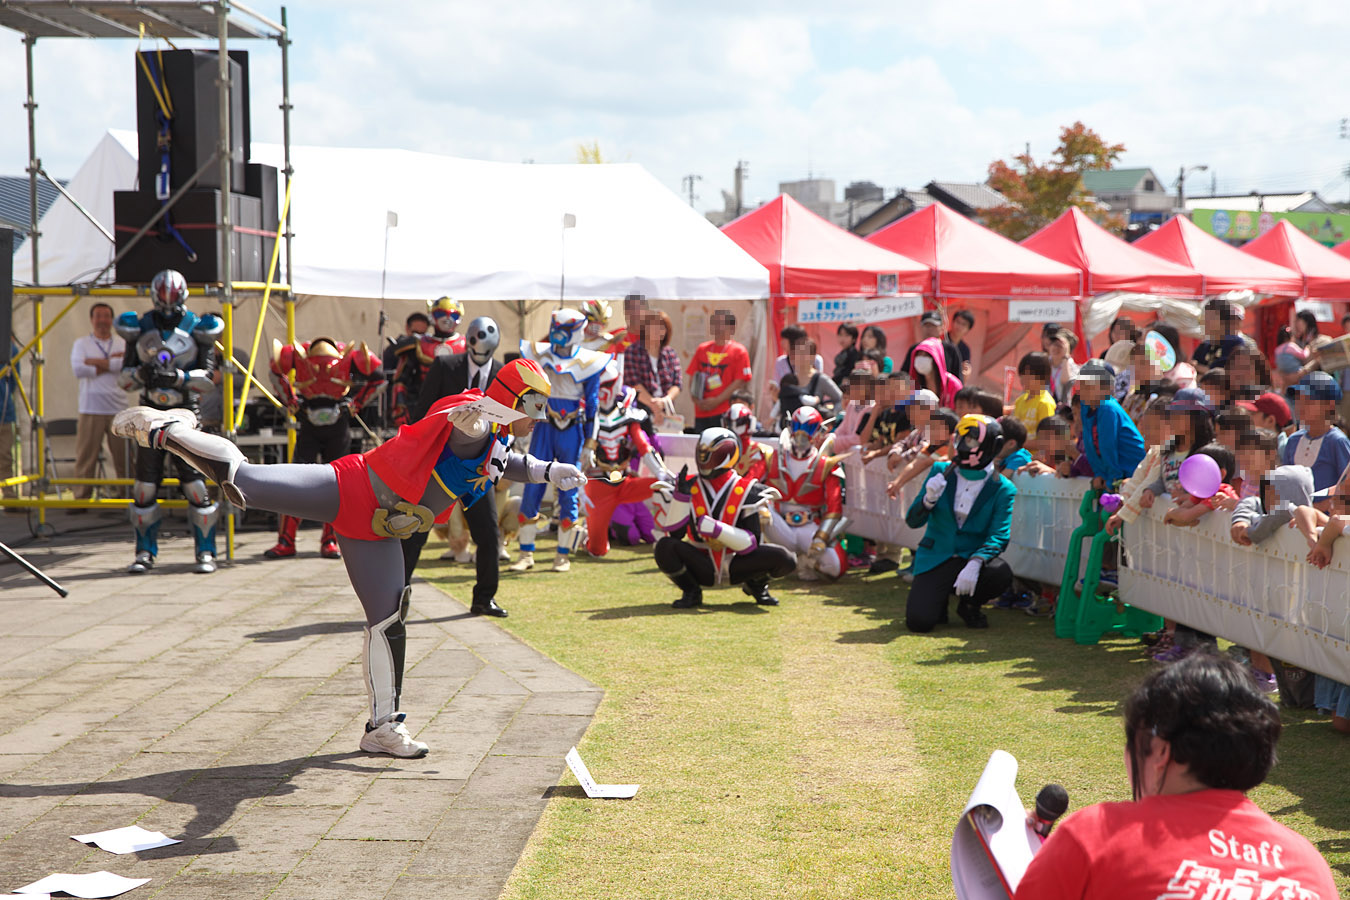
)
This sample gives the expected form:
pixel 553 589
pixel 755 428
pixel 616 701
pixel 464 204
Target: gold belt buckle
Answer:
pixel 408 519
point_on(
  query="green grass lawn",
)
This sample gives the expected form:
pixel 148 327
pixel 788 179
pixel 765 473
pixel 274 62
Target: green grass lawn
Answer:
pixel 818 750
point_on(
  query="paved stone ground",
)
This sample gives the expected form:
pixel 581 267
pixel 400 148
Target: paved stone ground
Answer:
pixel 226 710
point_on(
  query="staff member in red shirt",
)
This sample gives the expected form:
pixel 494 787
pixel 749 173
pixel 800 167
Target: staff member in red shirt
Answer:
pixel 1199 734
pixel 718 369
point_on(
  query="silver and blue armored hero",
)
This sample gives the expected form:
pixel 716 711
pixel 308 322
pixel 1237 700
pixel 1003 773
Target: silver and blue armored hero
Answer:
pixel 568 436
pixel 170 359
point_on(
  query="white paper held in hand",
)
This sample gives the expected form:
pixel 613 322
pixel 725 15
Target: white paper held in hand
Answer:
pixel 491 410
pixel 593 790
pixel 93 886
pixel 131 839
pixel 992 845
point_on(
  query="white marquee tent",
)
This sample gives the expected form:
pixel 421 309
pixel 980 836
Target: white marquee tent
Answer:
pixel 474 230
pixel 486 233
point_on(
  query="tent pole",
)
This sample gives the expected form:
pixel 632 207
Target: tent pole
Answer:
pixel 284 39
pixel 226 232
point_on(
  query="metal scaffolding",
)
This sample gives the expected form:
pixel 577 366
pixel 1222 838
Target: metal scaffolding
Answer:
pixel 218 21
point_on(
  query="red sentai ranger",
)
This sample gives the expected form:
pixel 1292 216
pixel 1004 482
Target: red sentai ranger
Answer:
pixel 321 381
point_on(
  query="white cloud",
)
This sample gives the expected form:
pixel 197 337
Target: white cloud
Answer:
pixel 857 89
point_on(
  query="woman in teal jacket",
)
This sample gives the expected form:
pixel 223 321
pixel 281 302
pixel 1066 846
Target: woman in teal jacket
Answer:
pixel 967 508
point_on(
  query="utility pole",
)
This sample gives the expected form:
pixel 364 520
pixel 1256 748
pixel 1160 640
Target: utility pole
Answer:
pixel 742 173
pixel 1181 185
pixel 687 183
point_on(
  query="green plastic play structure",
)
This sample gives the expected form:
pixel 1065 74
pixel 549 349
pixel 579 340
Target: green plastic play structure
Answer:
pixel 1085 616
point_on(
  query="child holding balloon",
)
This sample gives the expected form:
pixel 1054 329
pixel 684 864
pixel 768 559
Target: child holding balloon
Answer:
pixel 1205 477
pixel 1189 428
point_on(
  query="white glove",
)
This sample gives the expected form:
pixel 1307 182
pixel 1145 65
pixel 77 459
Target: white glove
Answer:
pixel 965 582
pixel 810 400
pixel 468 422
pixel 932 490
pixel 588 458
pixel 706 526
pixel 565 476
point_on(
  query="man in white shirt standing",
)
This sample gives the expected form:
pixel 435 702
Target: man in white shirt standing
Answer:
pixel 96 360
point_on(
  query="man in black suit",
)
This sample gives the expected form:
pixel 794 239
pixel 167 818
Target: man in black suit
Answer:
pixel 450 375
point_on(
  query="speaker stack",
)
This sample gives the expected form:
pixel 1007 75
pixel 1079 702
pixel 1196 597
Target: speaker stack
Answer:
pixel 185 142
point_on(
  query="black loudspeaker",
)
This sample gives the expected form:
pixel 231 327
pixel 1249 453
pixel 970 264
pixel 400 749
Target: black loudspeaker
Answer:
pixel 6 293
pixel 194 130
pixel 197 217
pixel 262 182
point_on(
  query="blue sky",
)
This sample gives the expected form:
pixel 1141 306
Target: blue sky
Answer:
pixel 891 92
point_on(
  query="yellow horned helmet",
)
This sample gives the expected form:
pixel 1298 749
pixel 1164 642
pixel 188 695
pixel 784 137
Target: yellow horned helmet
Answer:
pixel 597 312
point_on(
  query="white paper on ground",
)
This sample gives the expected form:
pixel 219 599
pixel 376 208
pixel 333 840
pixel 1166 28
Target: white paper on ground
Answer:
pixel 593 790
pixel 92 886
pixel 994 823
pixel 491 410
pixel 131 839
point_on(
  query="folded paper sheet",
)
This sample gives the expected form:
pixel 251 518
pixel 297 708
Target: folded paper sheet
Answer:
pixel 92 886
pixel 593 790
pixel 131 839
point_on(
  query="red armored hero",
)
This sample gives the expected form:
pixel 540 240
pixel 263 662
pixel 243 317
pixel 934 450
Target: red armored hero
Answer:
pixel 322 381
pixel 809 517
pixel 754 459
pixel 620 444
pixel 415 353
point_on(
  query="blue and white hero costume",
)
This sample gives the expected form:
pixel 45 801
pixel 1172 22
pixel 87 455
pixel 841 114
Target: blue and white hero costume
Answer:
pixel 574 376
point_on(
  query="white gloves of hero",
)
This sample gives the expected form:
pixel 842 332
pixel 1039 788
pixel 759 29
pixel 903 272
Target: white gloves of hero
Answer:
pixel 965 582
pixel 469 422
pixel 564 476
pixel 932 490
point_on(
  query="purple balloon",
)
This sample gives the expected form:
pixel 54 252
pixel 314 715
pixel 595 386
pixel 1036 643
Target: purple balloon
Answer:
pixel 1111 502
pixel 1200 476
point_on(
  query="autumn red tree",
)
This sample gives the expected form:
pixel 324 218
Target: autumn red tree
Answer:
pixel 1039 192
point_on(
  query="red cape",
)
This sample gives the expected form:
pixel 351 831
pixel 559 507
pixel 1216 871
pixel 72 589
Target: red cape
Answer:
pixel 404 462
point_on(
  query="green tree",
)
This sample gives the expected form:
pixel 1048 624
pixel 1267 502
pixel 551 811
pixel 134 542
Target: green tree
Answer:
pixel 1038 193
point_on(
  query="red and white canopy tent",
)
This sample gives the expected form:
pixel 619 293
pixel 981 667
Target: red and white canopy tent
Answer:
pixel 1226 270
pixel 820 274
pixel 1006 285
pixel 1116 276
pixel 1343 249
pixel 1325 274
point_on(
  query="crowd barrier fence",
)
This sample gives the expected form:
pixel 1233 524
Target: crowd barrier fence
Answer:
pixel 1265 597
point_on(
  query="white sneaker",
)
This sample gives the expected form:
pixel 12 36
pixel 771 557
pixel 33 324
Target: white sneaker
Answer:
pixel 206 564
pixel 562 563
pixel 503 555
pixel 524 564
pixel 393 738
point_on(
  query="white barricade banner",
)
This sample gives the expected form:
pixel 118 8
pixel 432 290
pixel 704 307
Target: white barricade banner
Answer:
pixel 1045 515
pixel 1265 597
pixel 870 512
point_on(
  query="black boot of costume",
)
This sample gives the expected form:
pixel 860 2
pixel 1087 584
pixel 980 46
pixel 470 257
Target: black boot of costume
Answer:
pixel 691 593
pixel 759 590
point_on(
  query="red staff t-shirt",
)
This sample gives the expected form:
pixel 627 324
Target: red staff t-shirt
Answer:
pixel 1199 846
pixel 719 366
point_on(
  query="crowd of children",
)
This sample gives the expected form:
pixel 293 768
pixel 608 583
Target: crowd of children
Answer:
pixel 1128 421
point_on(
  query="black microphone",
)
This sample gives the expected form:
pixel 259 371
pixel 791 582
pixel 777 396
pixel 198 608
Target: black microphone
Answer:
pixel 1051 803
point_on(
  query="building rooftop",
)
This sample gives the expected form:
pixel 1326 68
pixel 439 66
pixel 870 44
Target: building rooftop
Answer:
pixel 1302 201
pixel 972 196
pixel 1108 181
pixel 14 200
